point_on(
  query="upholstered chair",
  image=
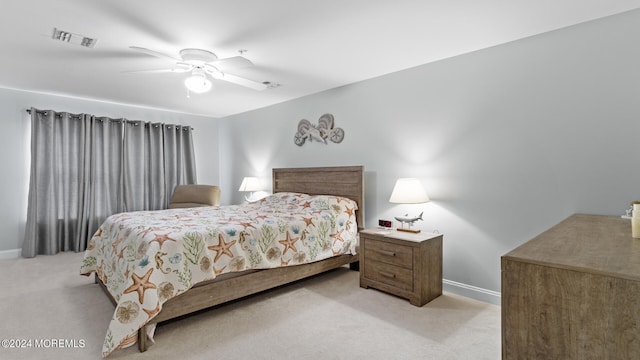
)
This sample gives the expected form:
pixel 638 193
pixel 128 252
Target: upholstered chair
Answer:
pixel 185 196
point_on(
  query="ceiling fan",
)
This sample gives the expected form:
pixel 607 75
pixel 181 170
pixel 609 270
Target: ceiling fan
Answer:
pixel 202 64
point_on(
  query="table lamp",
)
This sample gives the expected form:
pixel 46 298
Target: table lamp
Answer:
pixel 250 184
pixel 408 191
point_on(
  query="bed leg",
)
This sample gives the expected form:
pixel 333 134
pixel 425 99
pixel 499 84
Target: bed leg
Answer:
pixel 142 339
pixel 355 266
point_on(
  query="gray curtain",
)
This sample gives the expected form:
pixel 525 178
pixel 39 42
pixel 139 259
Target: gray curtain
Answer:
pixel 85 168
pixel 166 159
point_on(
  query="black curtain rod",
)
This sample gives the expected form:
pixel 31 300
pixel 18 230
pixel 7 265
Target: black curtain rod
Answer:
pixel 135 123
pixel 42 112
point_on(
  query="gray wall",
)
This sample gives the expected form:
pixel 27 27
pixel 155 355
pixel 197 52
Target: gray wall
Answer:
pixel 15 143
pixel 508 141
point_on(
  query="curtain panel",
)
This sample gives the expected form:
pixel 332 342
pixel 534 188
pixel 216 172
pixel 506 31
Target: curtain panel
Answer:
pixel 85 168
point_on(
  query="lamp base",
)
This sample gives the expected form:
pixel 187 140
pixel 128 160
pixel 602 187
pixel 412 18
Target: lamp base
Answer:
pixel 409 230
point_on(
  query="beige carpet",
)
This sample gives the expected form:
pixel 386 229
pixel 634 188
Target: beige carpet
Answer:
pixel 326 317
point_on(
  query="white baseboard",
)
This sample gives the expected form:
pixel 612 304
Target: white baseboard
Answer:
pixel 10 254
pixel 489 296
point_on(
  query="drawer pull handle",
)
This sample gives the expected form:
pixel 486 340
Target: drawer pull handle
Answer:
pixel 387 253
pixel 387 274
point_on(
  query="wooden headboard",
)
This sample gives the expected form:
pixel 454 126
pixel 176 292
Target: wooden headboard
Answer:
pixel 346 181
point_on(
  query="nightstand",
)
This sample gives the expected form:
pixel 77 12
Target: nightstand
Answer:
pixel 400 263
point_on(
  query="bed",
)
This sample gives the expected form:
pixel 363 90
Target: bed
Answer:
pixel 158 265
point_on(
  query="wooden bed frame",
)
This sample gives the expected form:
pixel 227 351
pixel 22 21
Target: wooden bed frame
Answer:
pixel 346 181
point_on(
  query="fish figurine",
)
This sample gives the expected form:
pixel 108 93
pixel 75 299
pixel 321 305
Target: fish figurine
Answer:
pixel 407 219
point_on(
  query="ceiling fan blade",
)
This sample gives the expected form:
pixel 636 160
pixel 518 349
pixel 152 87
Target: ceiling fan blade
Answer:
pixel 255 85
pixel 152 71
pixel 212 70
pixel 154 53
pixel 235 62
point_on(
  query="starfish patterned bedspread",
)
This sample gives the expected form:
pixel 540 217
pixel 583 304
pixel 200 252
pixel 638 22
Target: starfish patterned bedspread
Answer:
pixel 145 258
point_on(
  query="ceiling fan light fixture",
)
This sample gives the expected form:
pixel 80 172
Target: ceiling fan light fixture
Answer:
pixel 206 67
pixel 198 83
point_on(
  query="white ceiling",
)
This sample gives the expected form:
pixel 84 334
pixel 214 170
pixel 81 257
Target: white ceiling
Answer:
pixel 307 46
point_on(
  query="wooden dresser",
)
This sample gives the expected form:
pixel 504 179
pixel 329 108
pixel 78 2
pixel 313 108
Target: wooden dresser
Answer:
pixel 401 263
pixel 573 292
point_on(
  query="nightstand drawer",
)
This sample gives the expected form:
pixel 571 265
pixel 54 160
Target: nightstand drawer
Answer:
pixel 389 274
pixel 389 253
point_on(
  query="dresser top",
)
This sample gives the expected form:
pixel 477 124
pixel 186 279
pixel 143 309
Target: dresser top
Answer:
pixel 589 243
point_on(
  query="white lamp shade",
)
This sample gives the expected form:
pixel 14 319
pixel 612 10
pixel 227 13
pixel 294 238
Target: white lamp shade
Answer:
pixel 198 83
pixel 408 191
pixel 250 184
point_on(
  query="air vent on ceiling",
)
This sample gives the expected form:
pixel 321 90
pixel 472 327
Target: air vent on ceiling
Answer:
pixel 72 38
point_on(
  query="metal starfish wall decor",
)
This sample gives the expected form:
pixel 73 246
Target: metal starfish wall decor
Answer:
pixel 322 132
